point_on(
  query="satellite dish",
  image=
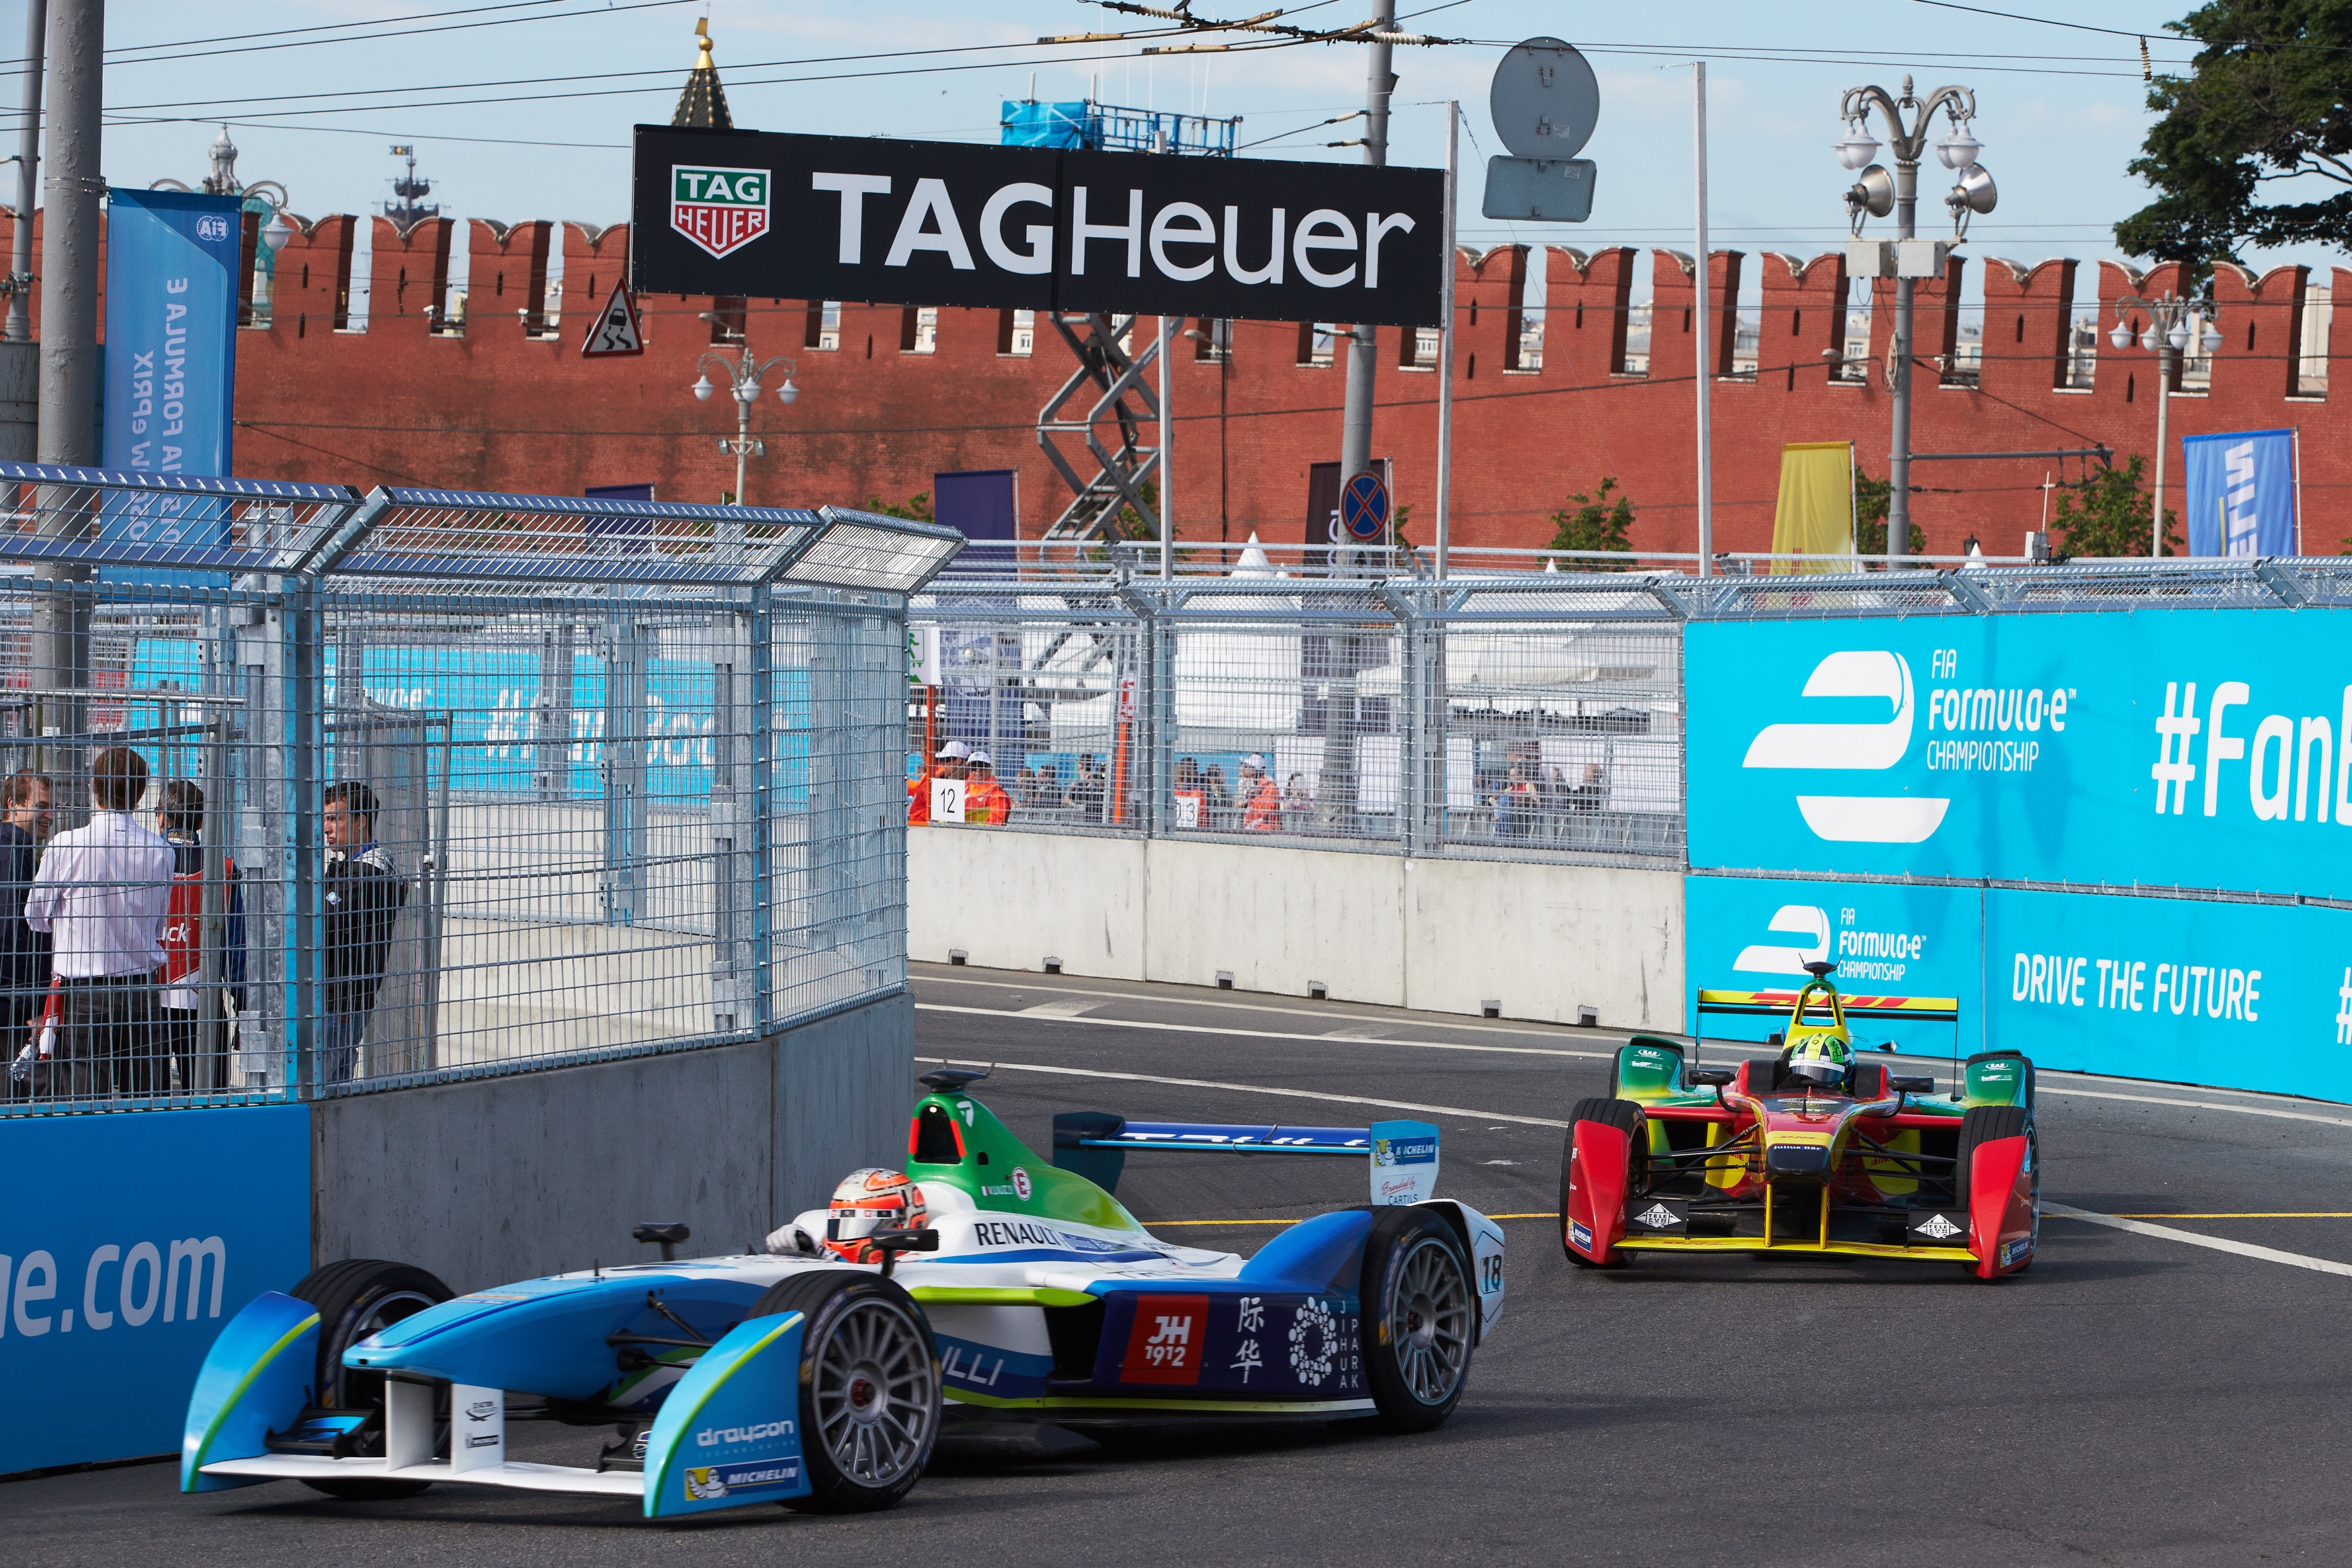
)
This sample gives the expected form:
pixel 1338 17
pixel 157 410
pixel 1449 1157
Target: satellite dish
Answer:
pixel 1544 101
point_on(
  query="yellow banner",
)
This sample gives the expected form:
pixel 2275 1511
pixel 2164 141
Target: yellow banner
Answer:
pixel 1815 514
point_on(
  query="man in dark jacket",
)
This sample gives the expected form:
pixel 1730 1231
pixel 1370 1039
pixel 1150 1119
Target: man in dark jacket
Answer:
pixel 363 896
pixel 28 799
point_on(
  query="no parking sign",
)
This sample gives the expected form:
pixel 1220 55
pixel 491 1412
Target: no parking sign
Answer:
pixel 1364 506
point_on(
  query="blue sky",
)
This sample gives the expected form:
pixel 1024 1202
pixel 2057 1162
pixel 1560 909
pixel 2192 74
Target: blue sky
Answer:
pixel 2061 111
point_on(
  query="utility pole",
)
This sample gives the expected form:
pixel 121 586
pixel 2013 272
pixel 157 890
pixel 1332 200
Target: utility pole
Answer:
pixel 1705 363
pixel 69 241
pixel 28 186
pixel 1363 341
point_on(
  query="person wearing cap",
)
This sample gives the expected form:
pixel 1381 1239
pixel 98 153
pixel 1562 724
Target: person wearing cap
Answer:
pixel 948 764
pixel 1261 801
pixel 984 799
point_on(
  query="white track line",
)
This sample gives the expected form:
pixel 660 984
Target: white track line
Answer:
pixel 2219 1244
pixel 1466 1027
pixel 1266 1034
pixel 1262 1088
pixel 2046 1087
pixel 1049 1014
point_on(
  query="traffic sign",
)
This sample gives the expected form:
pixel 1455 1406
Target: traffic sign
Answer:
pixel 1364 506
pixel 615 332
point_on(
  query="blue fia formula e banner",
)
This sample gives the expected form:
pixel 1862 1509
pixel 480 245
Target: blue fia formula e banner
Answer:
pixel 2167 748
pixel 1895 939
pixel 2241 489
pixel 2246 996
pixel 2250 995
pixel 170 330
pixel 130 1239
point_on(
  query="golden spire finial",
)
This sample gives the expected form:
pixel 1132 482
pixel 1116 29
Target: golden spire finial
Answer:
pixel 702 36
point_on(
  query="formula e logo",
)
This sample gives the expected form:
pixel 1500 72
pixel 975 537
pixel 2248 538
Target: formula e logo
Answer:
pixel 1795 920
pixel 1021 1187
pixel 1860 747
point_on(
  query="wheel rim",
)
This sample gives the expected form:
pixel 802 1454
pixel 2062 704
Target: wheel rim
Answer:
pixel 875 1390
pixel 1429 1318
pixel 373 1316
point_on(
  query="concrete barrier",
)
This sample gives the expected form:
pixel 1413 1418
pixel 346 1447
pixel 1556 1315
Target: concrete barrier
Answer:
pixel 493 1179
pixel 1546 940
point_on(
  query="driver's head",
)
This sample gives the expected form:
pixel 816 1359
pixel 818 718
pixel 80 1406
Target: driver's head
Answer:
pixel 867 1201
pixel 1820 1061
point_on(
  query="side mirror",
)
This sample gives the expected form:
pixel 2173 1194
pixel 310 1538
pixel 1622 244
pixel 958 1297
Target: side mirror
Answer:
pixel 669 1233
pixel 891 1243
pixel 1716 1077
pixel 1896 1086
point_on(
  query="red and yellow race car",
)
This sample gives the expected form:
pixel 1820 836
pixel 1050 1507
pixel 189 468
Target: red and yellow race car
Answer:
pixel 1814 1150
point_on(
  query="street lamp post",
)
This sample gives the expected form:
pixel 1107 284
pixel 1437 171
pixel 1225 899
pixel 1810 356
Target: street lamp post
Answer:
pixel 1876 193
pixel 2166 335
pixel 741 376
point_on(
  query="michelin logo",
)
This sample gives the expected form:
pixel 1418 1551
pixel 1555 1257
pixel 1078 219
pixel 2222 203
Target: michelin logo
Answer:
pixel 1859 747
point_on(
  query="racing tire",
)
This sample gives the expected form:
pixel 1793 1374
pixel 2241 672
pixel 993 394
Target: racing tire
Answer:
pixel 1988 1124
pixel 1627 1118
pixel 1419 1318
pixel 869 1387
pixel 355 1298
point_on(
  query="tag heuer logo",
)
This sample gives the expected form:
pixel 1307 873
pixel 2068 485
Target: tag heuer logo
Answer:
pixel 1657 1217
pixel 1938 1226
pixel 721 210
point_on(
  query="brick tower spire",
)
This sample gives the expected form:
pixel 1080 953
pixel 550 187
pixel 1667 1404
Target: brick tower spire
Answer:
pixel 703 102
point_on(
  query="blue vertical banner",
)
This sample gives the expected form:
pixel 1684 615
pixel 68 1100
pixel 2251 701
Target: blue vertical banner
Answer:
pixel 171 262
pixel 2241 489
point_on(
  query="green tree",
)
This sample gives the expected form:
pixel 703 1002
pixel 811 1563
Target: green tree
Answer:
pixel 915 509
pixel 1870 502
pixel 1593 522
pixel 2265 103
pixel 2107 515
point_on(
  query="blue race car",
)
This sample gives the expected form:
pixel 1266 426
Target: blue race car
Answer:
pixel 982 1284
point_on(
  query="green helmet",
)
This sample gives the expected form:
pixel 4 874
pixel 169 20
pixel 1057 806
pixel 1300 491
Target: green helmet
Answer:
pixel 1820 1060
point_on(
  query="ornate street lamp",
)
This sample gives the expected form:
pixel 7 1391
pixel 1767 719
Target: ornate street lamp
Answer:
pixel 741 378
pixel 1876 193
pixel 2170 318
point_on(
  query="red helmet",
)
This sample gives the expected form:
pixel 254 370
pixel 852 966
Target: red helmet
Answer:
pixel 867 1201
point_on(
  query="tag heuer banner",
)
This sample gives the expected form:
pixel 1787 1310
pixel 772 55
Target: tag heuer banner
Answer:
pixel 760 213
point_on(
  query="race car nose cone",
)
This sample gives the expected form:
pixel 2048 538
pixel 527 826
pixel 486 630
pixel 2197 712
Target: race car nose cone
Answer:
pixel 1797 1160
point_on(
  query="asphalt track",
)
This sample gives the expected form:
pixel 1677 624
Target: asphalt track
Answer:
pixel 2171 1393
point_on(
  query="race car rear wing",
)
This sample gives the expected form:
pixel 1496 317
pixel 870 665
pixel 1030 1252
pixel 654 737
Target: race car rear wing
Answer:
pixel 1404 1155
pixel 1776 1004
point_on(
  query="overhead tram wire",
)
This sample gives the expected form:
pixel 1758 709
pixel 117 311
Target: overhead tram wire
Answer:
pixel 119 49
pixel 1756 53
pixel 403 33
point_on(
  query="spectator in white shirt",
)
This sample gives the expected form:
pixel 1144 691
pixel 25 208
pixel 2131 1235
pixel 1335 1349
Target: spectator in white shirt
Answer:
pixel 102 892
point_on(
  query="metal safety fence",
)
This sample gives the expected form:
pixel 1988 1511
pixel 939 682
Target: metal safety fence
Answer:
pixel 418 785
pixel 1536 714
pixel 1508 711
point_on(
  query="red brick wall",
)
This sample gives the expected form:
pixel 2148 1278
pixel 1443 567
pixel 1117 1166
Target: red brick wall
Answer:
pixel 495 408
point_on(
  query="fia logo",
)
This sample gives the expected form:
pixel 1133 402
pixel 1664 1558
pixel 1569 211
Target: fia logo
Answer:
pixel 1859 747
pixel 211 226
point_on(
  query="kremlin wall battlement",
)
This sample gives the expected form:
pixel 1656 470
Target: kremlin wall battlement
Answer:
pixel 502 400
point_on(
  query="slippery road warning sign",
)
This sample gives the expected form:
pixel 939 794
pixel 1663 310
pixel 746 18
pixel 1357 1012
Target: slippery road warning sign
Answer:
pixel 615 332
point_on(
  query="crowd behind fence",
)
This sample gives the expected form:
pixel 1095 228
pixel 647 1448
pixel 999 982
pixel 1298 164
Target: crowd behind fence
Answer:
pixel 452 784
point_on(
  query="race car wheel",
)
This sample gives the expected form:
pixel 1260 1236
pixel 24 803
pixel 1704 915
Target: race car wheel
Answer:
pixel 1988 1124
pixel 356 1298
pixel 1627 1118
pixel 1417 1318
pixel 869 1387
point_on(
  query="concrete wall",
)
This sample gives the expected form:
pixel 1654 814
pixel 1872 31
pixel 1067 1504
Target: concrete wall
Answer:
pixel 504 1178
pixel 1440 934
